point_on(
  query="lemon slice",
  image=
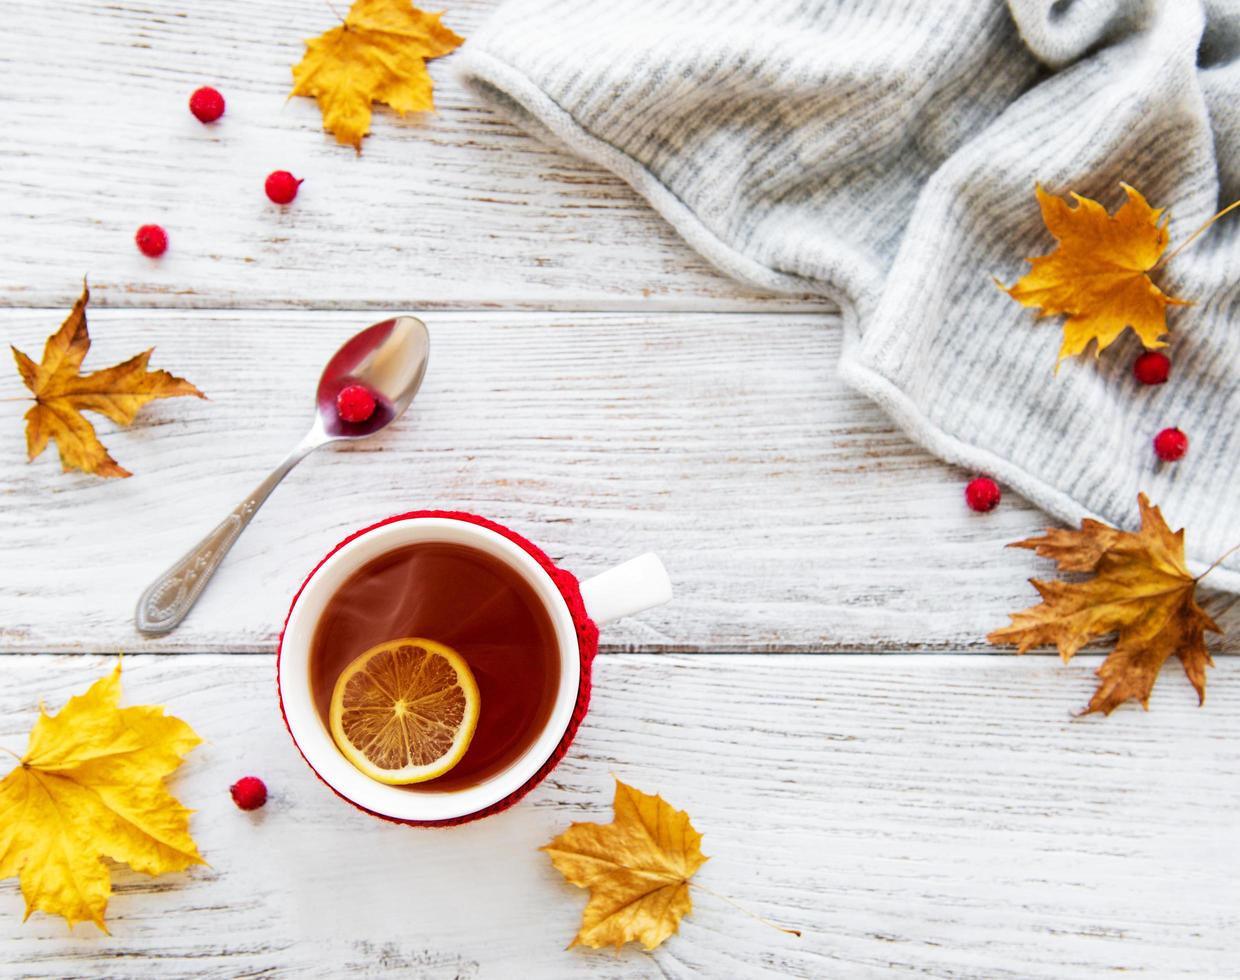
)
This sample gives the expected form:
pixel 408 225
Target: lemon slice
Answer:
pixel 405 710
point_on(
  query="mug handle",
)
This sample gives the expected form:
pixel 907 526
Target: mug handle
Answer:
pixel 640 583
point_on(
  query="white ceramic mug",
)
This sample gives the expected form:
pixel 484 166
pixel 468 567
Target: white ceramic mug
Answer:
pixel 629 588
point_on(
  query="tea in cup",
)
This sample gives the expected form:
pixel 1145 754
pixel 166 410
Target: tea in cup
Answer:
pixel 467 617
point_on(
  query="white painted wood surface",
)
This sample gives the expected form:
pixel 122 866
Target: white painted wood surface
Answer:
pixel 943 816
pixel 456 209
pixel 597 386
pixel 791 513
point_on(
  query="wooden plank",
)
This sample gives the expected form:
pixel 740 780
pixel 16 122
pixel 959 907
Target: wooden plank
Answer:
pixel 790 512
pixel 941 816
pixel 458 209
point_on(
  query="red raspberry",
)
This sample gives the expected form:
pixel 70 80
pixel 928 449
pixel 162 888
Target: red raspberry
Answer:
pixel 282 186
pixel 249 792
pixel 982 494
pixel 152 240
pixel 1152 367
pixel 355 403
pixel 207 104
pixel 1170 445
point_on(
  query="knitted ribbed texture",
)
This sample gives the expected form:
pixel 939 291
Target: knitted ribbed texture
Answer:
pixel 884 153
pixel 587 648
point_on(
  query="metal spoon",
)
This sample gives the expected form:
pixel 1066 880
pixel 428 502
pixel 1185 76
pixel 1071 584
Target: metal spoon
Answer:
pixel 389 359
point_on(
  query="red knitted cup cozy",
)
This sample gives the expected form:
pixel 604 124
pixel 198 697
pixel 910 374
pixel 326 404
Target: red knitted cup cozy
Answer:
pixel 587 645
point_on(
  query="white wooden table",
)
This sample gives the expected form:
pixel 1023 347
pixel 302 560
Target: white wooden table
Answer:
pixel 819 696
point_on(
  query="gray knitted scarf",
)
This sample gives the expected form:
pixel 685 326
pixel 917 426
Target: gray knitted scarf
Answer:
pixel 884 153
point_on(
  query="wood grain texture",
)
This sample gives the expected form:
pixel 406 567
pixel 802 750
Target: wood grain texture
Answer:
pixel 934 816
pixel 790 512
pixel 928 815
pixel 456 209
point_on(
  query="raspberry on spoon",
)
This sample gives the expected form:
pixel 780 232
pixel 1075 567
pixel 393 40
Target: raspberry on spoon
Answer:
pixel 355 403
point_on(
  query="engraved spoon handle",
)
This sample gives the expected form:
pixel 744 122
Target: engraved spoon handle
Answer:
pixel 170 597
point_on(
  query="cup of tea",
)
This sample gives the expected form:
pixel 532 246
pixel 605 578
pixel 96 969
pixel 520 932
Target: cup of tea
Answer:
pixel 491 639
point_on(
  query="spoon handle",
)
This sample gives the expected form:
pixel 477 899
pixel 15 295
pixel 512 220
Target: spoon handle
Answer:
pixel 170 597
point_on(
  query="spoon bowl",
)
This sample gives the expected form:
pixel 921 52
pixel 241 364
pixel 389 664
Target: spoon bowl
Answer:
pixel 390 359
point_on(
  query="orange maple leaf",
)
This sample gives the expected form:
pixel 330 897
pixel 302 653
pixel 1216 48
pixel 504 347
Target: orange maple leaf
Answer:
pixel 1098 275
pixel 637 869
pixel 378 54
pixel 1140 590
pixel 61 394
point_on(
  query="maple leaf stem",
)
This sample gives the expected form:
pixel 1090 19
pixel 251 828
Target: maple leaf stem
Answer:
pixel 1195 235
pixel 20 763
pixel 334 11
pixel 17 398
pixel 737 905
pixel 1225 555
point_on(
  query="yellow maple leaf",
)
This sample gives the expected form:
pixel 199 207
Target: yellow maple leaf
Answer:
pixel 61 394
pixel 378 54
pixel 1099 273
pixel 637 869
pixel 91 785
pixel 1140 590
